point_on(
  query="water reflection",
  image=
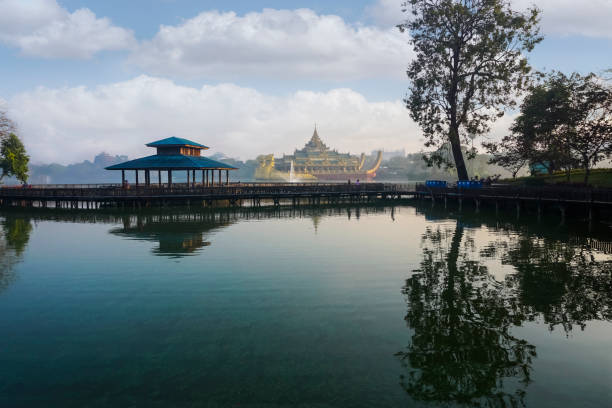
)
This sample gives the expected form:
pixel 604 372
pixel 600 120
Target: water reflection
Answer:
pixel 463 349
pixel 178 235
pixel 179 232
pixel 14 237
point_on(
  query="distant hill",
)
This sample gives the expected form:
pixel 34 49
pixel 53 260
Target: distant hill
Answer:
pixel 77 173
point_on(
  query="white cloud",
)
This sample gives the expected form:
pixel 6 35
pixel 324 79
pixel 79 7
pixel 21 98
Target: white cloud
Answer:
pixel 41 28
pixel 274 43
pixel 387 13
pixel 72 124
pixel 589 18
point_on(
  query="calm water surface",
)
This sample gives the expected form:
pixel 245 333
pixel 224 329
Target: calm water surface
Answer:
pixel 329 307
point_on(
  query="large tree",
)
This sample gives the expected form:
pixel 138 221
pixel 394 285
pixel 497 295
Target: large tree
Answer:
pixel 469 65
pixel 589 113
pixel 564 122
pixel 534 134
pixel 13 158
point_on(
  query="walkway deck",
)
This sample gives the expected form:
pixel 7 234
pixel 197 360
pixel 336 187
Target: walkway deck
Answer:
pixel 109 195
pixel 93 196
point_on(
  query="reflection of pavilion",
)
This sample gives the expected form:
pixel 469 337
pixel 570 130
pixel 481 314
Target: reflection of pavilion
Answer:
pixel 178 235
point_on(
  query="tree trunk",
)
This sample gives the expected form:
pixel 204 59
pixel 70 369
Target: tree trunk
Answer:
pixel 453 270
pixel 462 173
pixel 587 171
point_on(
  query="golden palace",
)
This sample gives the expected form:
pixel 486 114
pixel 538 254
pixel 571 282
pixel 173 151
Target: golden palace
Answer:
pixel 315 162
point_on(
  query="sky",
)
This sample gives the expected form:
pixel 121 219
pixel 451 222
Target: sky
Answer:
pixel 244 77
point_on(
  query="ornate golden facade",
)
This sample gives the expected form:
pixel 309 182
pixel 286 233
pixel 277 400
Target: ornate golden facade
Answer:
pixel 315 161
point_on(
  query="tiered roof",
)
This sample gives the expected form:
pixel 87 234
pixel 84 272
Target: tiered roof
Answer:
pixel 173 161
pixel 176 142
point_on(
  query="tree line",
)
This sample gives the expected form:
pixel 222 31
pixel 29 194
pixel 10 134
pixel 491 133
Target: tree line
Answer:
pixel 471 65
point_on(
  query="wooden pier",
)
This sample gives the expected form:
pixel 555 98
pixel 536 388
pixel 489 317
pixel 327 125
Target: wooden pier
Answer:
pixel 93 196
pixel 563 200
pixel 576 201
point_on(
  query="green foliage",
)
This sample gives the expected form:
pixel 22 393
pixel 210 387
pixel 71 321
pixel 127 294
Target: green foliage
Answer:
pixel 597 178
pixel 13 158
pixel 565 121
pixel 469 65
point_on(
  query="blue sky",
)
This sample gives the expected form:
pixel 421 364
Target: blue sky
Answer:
pixel 246 77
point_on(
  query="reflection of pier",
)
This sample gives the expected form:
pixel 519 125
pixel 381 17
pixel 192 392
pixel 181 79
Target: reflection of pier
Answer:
pixel 237 194
pixel 180 231
pixel 593 243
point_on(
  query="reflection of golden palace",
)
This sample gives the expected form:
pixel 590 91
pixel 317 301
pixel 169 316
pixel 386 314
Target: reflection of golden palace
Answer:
pixel 315 162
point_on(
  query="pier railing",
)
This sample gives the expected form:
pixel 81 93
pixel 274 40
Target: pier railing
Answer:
pixel 237 190
pixel 548 193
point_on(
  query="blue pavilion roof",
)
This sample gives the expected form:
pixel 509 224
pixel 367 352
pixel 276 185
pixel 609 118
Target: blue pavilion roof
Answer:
pixel 175 141
pixel 173 162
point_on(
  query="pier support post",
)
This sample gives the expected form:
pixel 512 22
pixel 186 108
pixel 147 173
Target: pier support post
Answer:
pixel 562 209
pixel 518 209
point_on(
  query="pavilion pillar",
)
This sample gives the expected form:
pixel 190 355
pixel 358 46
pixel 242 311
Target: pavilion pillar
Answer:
pixel 226 177
pixel 123 177
pixel 193 178
pixel 136 177
pixel 159 178
pixel 220 182
pixel 203 178
pixel 187 178
pixel 147 178
pixel 169 178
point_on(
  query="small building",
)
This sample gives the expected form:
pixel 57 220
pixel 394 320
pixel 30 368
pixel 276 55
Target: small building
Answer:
pixel 176 154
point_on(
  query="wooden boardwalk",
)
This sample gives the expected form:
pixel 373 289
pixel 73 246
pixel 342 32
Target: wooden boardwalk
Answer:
pixel 94 196
pixel 590 202
pixel 104 196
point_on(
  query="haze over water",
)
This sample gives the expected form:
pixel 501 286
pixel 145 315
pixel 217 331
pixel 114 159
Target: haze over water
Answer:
pixel 333 307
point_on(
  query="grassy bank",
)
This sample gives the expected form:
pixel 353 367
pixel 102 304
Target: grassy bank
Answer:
pixel 597 178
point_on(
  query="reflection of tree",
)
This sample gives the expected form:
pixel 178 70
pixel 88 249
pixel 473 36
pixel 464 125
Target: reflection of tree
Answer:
pixel 462 349
pixel 17 233
pixel 13 240
pixel 562 283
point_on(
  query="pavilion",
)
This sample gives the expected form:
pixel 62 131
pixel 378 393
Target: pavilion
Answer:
pixel 176 154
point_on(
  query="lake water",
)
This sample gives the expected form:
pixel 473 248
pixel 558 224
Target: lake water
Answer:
pixel 368 306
